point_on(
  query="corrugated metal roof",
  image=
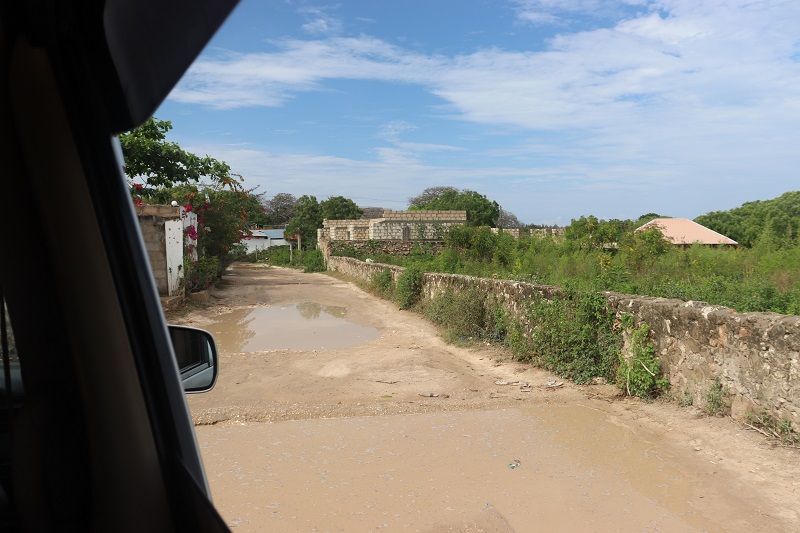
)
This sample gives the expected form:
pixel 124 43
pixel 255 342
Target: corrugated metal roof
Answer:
pixel 264 233
pixel 685 231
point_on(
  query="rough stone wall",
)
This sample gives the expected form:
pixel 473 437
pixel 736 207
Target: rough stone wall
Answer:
pixel 549 232
pixel 755 356
pixel 347 230
pixel 395 225
pixel 397 248
pixel 383 230
pixel 514 232
pixel 425 216
pixel 151 222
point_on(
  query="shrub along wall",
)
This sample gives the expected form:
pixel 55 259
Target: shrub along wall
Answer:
pixel 754 357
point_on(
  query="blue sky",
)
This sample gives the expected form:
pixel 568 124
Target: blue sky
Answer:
pixel 553 108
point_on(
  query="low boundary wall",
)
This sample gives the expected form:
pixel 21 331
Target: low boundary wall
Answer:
pixel 755 356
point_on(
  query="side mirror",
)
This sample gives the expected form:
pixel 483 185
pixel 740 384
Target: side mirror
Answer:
pixel 196 354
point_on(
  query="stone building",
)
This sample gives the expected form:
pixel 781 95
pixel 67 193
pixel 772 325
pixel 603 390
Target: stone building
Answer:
pixel 393 226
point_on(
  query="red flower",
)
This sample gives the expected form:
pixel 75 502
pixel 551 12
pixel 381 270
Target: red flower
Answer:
pixel 188 207
pixel 138 186
pixel 137 202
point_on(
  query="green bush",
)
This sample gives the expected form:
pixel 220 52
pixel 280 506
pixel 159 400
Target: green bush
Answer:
pixel 409 287
pixel 460 314
pixel 202 273
pixel 314 261
pixel 574 336
pixel 383 283
pixel 641 374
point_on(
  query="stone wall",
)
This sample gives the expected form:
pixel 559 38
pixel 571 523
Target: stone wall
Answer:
pixel 395 225
pixel 347 230
pixel 755 356
pixel 382 230
pixel 152 222
pixel 514 232
pixel 396 248
pixel 425 216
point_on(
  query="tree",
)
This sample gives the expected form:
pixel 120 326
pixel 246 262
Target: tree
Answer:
pixel 340 208
pixel 224 216
pixel 509 220
pixel 254 210
pixel 480 210
pixel 307 218
pixel 428 195
pixel 161 164
pixel 280 208
pixel 590 232
pixel 753 220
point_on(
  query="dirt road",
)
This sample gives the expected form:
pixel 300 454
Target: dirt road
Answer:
pixel 334 411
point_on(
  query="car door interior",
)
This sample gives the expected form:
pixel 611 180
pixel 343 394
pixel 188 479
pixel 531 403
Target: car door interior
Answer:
pixel 101 439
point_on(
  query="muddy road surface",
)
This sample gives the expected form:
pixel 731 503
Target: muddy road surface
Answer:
pixel 335 411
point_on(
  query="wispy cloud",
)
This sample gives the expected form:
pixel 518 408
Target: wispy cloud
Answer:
pixel 672 91
pixel 320 21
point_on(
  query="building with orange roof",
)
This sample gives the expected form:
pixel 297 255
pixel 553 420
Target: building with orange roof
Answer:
pixel 685 232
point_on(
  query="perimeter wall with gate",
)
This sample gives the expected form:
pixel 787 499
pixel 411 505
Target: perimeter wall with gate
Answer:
pixel 754 356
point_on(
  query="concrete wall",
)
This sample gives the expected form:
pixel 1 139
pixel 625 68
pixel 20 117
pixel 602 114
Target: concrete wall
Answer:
pixel 162 230
pixel 262 243
pixel 755 356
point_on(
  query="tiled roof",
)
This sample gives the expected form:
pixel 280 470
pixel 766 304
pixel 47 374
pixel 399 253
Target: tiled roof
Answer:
pixel 685 231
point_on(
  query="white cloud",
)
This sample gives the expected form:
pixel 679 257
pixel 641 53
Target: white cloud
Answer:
pixel 319 21
pixel 677 92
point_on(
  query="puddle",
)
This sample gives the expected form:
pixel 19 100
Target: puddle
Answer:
pixel 547 468
pixel 300 326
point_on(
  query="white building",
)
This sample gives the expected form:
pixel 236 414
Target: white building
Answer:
pixel 261 239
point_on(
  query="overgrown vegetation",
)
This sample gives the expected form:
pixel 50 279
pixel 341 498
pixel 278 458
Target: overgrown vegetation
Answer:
pixel 313 261
pixel 201 274
pixel 607 256
pixel 717 399
pixel 277 256
pixel 408 290
pixel 640 375
pixel 573 336
pixel 383 283
pixel 769 426
pixel 462 315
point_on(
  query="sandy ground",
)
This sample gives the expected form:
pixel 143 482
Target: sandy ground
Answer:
pixel 405 432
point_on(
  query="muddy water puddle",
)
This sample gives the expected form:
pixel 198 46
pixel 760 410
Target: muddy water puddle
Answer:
pixel 544 468
pixel 298 326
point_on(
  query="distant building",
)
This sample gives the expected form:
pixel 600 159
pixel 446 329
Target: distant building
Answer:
pixel 261 239
pixel 393 226
pixel 685 232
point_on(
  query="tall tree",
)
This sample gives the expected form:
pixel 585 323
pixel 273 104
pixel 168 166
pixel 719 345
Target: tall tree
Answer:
pixel 480 210
pixel 429 195
pixel 509 220
pixel 280 208
pixel 159 164
pixel 340 208
pixel 307 218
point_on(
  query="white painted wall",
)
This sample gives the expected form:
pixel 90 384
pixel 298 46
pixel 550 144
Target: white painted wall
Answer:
pixel 259 244
pixel 173 230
